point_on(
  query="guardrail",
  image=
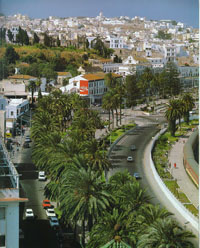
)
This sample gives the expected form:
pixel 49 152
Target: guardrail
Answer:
pixel 174 201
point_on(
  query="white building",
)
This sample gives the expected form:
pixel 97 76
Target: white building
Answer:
pixel 15 109
pixel 9 202
pixel 116 42
pixel 169 52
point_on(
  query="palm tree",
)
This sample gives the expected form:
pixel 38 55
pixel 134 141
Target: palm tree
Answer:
pixel 97 155
pixel 32 87
pixel 112 225
pixel 165 233
pixel 83 197
pixel 148 214
pixel 132 197
pixel 188 104
pixel 172 113
pixel 107 106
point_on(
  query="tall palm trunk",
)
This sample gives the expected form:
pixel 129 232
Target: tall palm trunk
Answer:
pixel 109 119
pixel 112 118
pixel 116 117
pixel 120 114
pixel 83 233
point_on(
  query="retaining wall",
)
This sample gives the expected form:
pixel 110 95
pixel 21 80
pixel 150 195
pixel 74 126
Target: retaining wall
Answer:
pixel 174 201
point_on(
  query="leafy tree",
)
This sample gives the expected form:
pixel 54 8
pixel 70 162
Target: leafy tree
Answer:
pixel 11 55
pixel 10 35
pixel 163 35
pixel 87 43
pixel 36 39
pixel 117 59
pixel 22 37
pixel 173 81
pixel 3 68
pixel 58 42
pixel 47 40
pixel 2 35
pixel 132 91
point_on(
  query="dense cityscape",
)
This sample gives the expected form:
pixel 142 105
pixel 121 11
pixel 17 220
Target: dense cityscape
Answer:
pixel 98 132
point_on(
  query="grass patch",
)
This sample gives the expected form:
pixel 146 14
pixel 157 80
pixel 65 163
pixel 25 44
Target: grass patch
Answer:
pixel 183 198
pixel 192 209
pixel 172 186
pixel 115 134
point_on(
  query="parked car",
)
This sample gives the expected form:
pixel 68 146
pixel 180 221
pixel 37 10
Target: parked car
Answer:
pixel 50 212
pixel 54 222
pixel 29 213
pixel 26 144
pixel 129 158
pixel 46 204
pixel 42 176
pixel 133 148
pixel 28 139
pixel 137 175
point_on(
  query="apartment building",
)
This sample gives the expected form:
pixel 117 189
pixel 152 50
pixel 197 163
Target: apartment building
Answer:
pixel 9 201
pixel 91 86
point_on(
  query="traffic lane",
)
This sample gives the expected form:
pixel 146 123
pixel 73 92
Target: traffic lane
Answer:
pixel 37 232
pixel 139 137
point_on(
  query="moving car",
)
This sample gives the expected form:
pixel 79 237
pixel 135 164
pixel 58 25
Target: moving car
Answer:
pixel 129 158
pixel 46 204
pixel 137 175
pixel 50 212
pixel 54 222
pixel 133 148
pixel 29 213
pixel 42 176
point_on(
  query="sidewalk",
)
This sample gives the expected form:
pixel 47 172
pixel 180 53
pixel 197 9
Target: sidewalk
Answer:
pixel 15 154
pixel 179 173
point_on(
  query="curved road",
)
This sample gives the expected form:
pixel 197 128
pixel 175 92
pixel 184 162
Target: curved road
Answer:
pixel 141 137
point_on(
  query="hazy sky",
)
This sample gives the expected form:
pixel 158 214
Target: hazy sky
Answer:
pixel 186 11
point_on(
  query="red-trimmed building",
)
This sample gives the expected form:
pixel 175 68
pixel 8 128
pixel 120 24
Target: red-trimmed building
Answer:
pixel 91 86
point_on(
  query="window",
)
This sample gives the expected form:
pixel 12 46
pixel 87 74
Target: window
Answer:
pixel 1 106
pixel 2 213
pixel 11 113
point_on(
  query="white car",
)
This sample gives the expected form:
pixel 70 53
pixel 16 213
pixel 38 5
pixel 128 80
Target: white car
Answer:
pixel 42 176
pixel 129 158
pixel 50 212
pixel 29 213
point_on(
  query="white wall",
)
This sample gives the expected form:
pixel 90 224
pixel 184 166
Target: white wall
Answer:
pixel 11 227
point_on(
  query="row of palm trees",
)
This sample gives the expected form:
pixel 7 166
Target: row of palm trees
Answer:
pixel 114 98
pixel 63 130
pixel 177 109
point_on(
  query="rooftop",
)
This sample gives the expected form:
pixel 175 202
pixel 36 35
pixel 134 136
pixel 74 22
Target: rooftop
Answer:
pixel 98 76
pixel 20 76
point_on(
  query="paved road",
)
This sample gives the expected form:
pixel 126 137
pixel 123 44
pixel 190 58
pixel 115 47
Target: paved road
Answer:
pixel 141 136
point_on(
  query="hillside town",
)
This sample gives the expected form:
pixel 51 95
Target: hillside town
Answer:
pixel 66 85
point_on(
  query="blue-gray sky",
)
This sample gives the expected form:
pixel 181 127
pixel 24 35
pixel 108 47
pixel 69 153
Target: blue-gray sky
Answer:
pixel 186 11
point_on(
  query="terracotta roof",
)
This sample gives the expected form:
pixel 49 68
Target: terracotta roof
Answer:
pixel 13 199
pixel 105 60
pixel 63 73
pixel 98 76
pixel 20 76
